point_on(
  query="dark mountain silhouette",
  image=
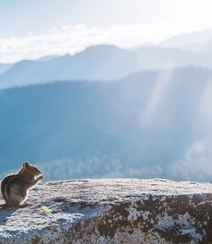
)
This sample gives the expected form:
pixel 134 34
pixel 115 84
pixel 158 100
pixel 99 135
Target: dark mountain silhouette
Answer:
pixel 121 128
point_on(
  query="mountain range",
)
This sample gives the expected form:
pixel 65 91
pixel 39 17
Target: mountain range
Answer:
pixel 95 63
pixel 198 42
pixel 110 112
pixel 106 62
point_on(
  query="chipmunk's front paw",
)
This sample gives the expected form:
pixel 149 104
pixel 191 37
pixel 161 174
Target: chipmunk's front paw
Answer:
pixel 40 177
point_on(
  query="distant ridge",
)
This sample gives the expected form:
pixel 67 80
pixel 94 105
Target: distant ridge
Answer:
pixel 187 38
pixel 160 58
pixel 198 42
pixel 4 67
pixel 95 63
pixel 47 58
pixel 104 63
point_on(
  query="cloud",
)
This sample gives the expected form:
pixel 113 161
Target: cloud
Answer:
pixel 72 39
pixel 67 39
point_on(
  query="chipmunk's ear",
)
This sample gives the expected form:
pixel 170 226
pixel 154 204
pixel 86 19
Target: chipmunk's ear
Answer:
pixel 25 164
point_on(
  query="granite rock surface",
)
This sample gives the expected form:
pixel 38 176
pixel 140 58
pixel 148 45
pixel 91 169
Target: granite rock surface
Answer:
pixel 111 211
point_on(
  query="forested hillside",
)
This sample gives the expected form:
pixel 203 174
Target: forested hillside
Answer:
pixel 139 126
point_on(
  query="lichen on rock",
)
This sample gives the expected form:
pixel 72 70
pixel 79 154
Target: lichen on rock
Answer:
pixel 112 211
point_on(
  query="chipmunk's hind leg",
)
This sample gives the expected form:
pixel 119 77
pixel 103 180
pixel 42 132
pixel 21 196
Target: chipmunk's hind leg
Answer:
pixel 3 206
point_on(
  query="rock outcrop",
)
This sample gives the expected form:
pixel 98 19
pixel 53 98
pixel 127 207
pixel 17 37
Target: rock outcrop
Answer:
pixel 112 211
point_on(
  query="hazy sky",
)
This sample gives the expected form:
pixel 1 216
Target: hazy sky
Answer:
pixel 34 28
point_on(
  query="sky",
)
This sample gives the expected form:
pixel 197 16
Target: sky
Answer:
pixel 31 29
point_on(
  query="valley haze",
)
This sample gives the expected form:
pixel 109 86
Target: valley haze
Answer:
pixel 111 112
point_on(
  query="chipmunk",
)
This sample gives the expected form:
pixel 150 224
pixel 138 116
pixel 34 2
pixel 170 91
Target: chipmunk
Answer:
pixel 14 187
